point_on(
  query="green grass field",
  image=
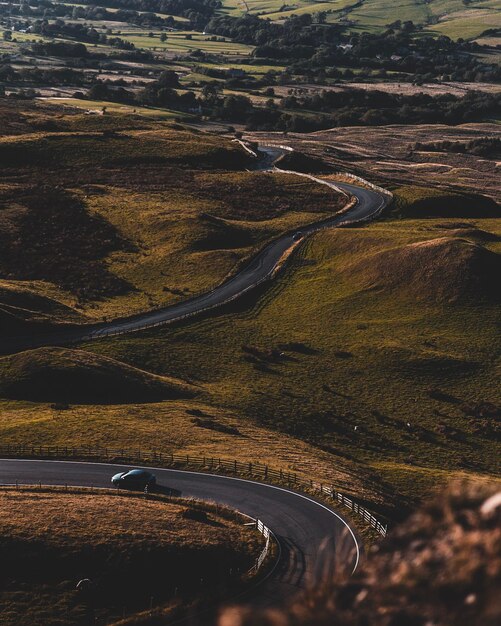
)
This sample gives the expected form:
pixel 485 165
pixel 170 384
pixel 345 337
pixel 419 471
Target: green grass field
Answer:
pixel 359 361
pixel 469 23
pixel 453 18
pixel 357 365
pixel 113 107
pixel 179 42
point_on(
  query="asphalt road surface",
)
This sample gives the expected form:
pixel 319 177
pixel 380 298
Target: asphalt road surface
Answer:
pixel 258 270
pixel 311 536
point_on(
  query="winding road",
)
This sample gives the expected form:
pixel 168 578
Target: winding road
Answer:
pixel 306 529
pixel 368 204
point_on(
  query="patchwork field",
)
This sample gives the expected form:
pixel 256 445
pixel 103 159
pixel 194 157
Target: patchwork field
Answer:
pixel 448 17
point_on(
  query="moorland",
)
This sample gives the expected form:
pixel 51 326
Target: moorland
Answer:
pixel 128 183
pixel 120 544
pixel 356 364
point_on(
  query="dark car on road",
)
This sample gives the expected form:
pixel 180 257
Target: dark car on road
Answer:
pixel 134 479
pixel 297 236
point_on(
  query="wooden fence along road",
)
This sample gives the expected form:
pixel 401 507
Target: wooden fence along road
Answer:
pixel 252 470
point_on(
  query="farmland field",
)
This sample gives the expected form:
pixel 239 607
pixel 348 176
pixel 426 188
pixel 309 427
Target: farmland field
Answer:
pixel 455 19
pixel 171 281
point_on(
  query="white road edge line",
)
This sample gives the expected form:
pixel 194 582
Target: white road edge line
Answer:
pixel 243 480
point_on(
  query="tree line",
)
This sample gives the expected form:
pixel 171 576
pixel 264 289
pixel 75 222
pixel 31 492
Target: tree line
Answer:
pixel 483 146
pixel 51 10
pixel 319 50
pixel 307 113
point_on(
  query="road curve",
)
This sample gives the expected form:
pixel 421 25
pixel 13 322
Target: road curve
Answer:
pixel 308 531
pixel 368 204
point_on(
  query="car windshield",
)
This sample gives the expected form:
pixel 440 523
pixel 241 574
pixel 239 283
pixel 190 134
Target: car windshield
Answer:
pixel 138 473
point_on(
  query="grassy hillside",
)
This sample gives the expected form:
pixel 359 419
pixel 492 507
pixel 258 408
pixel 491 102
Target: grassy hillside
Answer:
pixel 137 214
pixel 60 375
pixel 358 366
pixel 138 554
pixel 419 202
pixel 363 348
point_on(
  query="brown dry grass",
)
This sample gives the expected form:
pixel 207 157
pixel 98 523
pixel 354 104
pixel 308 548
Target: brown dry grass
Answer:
pixel 441 567
pixel 381 154
pixel 133 218
pixel 135 551
pixel 408 89
pixel 69 520
pixel 445 269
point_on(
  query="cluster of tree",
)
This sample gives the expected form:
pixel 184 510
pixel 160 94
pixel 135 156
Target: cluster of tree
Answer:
pixel 48 76
pixel 23 94
pixel 419 59
pixel 315 49
pixel 161 92
pixel 359 107
pixel 60 49
pixel 166 92
pixel 273 37
pixel 324 110
pixel 47 9
pixel 198 12
pixel 483 146
pixel 78 32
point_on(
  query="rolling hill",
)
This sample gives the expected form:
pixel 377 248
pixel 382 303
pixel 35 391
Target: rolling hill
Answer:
pixel 63 375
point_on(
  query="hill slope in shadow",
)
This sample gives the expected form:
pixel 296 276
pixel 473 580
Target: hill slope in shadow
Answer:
pixel 64 375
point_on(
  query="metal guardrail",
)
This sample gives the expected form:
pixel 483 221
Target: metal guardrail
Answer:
pixel 253 470
pixel 268 535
